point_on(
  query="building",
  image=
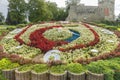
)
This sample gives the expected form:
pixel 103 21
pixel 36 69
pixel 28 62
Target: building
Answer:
pixel 104 11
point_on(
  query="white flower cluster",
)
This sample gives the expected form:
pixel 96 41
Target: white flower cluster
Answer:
pixel 57 34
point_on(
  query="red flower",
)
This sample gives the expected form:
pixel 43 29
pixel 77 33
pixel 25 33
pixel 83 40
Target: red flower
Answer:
pixel 39 41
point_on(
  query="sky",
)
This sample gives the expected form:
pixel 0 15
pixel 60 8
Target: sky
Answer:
pixel 61 3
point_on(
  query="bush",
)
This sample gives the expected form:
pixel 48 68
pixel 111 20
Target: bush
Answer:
pixel 109 74
pixel 113 66
pixel 21 25
pixel 76 68
pixel 10 28
pixel 7 64
pixel 101 67
pixel 59 69
pixel 117 75
pixel 101 25
pixel 27 67
pixel 39 68
pixel 3 30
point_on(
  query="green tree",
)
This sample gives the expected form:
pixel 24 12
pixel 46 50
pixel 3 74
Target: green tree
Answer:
pixel 1 18
pixel 52 7
pixel 38 11
pixel 62 14
pixel 16 11
pixel 118 19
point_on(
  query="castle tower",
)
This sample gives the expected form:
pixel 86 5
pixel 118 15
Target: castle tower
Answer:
pixel 107 7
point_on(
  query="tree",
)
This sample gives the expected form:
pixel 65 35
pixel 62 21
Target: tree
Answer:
pixel 52 7
pixel 16 11
pixel 118 19
pixel 38 11
pixel 62 14
pixel 1 18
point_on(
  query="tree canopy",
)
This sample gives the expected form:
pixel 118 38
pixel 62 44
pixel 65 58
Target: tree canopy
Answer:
pixel 16 11
pixel 20 11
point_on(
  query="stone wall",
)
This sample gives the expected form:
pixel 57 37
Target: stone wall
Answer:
pixel 105 11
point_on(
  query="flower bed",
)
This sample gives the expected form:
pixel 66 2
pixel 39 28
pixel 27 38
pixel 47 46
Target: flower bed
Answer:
pixel 93 44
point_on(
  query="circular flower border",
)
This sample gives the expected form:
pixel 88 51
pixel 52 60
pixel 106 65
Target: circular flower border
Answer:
pixel 39 41
pixel 80 60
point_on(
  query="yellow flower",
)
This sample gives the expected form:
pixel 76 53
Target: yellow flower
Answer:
pixel 118 29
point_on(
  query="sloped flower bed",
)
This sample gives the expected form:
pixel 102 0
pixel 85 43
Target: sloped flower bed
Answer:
pixel 94 43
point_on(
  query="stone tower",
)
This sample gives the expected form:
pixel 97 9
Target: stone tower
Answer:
pixel 81 12
pixel 107 7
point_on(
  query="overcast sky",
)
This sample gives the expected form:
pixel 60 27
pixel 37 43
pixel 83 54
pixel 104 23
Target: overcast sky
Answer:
pixel 61 3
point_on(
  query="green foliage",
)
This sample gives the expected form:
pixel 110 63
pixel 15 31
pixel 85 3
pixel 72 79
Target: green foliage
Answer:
pixel 7 64
pixel 95 67
pixel 109 74
pixel 113 66
pixel 115 60
pixel 106 67
pixel 117 75
pixel 52 7
pixel 111 27
pixel 3 30
pixel 21 25
pixel 68 25
pixel 1 18
pixel 10 28
pixel 4 63
pixel 62 14
pixel 59 69
pixel 27 67
pixel 39 68
pixel 76 68
pixel 16 12
pixel 38 11
pixel 35 10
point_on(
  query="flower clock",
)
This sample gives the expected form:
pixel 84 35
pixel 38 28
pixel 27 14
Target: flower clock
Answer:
pixel 75 42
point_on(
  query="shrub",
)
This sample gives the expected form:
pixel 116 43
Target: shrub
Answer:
pixel 109 74
pixel 10 28
pixel 111 27
pixel 117 75
pixel 114 65
pixel 59 69
pixel 101 67
pixel 76 68
pixel 7 64
pixel 27 67
pixel 21 25
pixel 39 68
